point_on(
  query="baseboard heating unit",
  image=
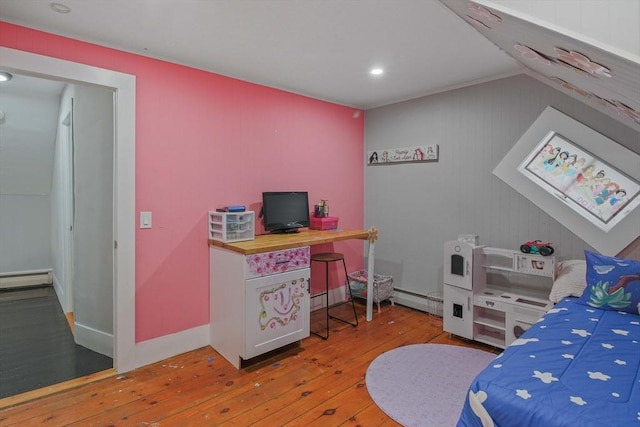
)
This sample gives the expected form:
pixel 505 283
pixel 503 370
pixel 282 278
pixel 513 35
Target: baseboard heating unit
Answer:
pixel 20 279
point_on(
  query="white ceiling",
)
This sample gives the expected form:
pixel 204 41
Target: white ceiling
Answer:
pixel 319 48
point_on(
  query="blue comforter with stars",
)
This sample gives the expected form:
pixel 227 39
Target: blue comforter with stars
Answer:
pixel 577 366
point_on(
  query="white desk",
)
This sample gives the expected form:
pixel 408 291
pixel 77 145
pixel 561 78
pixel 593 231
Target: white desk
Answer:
pixel 237 294
pixel 275 242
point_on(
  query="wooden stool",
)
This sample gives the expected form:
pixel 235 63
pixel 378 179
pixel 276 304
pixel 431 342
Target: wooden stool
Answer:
pixel 326 258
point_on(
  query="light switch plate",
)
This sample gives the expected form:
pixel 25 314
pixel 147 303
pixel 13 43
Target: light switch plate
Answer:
pixel 145 219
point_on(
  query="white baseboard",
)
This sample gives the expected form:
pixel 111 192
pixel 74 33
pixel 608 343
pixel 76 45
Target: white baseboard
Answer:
pixel 18 280
pixel 157 349
pixel 412 301
pixel 93 339
pixel 57 287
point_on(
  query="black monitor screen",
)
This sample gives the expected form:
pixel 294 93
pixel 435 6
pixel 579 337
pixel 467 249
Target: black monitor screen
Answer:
pixel 285 211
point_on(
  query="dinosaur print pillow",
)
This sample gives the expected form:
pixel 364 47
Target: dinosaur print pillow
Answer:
pixel 612 283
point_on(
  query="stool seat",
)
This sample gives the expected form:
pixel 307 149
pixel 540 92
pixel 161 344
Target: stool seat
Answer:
pixel 327 257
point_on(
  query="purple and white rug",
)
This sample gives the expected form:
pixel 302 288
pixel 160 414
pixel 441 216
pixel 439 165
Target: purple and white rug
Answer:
pixel 424 384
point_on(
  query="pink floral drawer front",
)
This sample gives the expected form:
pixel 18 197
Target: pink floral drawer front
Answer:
pixel 267 263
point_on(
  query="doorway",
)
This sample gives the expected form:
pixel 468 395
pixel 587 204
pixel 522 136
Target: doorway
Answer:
pixel 123 87
pixel 37 348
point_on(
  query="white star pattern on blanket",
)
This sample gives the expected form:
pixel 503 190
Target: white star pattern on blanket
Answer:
pixel 545 377
pixel 577 400
pixel 598 376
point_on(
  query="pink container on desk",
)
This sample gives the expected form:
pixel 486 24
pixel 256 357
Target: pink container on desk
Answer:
pixel 324 223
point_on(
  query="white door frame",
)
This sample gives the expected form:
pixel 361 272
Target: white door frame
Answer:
pixel 124 86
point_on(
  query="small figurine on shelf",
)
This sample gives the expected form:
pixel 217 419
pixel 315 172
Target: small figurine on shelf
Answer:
pixel 537 247
pixel 321 210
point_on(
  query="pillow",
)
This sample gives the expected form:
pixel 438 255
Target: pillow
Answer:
pixel 612 283
pixel 570 280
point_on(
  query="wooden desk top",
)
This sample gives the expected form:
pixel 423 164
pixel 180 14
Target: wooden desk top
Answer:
pixel 276 242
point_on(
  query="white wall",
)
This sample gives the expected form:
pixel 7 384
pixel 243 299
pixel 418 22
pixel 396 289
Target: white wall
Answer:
pixel 27 138
pixel 418 206
pixel 25 233
pixel 93 231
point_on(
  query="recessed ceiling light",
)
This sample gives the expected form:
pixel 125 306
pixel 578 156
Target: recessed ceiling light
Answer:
pixel 376 71
pixel 5 77
pixel 60 8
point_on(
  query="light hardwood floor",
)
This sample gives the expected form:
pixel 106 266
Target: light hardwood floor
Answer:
pixel 319 383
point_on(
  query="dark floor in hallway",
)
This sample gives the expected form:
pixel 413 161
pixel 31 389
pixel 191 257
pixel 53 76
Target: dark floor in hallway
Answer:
pixel 36 345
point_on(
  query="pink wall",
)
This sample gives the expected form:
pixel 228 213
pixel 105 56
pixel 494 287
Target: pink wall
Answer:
pixel 205 141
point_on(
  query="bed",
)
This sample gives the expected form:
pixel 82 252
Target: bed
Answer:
pixel 579 365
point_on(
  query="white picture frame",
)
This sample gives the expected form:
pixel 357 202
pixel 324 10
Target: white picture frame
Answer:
pixel 589 186
pixel 608 232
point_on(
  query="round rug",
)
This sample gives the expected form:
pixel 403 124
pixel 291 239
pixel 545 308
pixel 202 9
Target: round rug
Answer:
pixel 416 383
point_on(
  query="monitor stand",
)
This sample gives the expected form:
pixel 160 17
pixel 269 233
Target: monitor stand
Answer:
pixel 286 231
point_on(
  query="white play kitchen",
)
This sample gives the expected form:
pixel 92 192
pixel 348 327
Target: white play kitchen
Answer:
pixel 492 295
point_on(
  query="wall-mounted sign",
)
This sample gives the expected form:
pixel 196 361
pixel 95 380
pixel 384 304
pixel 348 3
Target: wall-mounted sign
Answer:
pixel 421 153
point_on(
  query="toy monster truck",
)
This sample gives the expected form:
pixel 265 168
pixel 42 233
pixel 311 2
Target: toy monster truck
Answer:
pixel 537 247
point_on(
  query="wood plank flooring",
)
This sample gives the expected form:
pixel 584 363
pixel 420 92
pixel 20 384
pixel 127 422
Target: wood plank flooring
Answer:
pixel 319 383
pixel 37 348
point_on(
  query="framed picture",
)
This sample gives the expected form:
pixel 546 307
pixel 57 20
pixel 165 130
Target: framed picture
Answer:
pixel 567 170
pixel 594 189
